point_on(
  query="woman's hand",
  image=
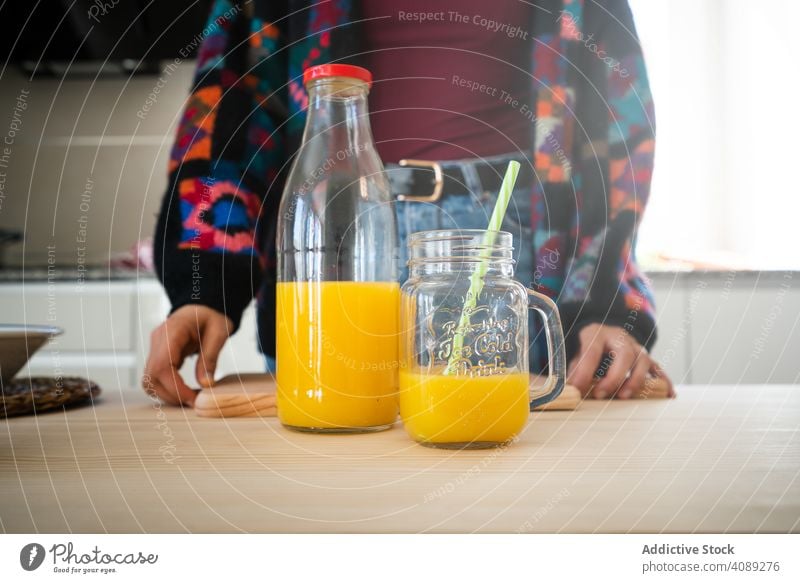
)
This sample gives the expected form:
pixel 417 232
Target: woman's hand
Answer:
pixel 610 362
pixel 191 329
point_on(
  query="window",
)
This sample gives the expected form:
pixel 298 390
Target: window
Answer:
pixel 724 76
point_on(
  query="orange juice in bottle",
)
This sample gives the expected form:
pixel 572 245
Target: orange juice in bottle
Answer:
pixel 337 292
pixel 337 355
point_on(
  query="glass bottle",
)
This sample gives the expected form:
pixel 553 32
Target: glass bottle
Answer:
pixel 337 291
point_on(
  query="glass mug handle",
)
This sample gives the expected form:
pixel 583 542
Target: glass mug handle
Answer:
pixel 556 353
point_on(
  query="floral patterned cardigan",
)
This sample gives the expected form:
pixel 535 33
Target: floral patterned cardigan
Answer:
pixel 593 145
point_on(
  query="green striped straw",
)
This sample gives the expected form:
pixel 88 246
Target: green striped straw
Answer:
pixel 476 279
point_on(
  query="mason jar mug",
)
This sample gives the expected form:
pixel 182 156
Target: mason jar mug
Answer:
pixel 464 376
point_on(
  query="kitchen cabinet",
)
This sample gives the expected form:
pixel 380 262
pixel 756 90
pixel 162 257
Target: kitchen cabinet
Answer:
pixel 107 327
pixel 728 327
pixel 95 317
pixel 746 329
pixel 714 328
pixel 672 348
pixel 105 323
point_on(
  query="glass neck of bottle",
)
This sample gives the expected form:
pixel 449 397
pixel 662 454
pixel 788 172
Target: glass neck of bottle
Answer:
pixel 338 115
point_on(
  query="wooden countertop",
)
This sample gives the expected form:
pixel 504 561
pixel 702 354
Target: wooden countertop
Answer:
pixel 717 459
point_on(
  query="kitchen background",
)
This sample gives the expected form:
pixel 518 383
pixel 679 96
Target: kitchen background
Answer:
pixel 83 168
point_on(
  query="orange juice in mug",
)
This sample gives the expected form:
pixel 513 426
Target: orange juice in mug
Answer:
pixel 456 409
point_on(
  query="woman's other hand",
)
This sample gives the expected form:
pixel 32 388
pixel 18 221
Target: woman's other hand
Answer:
pixel 611 363
pixel 191 329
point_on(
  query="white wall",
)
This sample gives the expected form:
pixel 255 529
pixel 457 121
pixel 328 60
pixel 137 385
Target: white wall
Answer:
pixel 82 132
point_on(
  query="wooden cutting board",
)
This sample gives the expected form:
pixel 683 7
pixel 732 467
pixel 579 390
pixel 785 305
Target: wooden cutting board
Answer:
pixel 253 395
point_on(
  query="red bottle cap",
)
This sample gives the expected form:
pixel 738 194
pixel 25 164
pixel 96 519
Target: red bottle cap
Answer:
pixel 331 70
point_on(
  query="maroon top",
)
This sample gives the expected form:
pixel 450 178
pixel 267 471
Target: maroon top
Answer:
pixel 442 72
